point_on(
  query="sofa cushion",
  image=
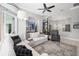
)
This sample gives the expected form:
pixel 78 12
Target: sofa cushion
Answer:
pixel 41 35
pixel 34 35
pixel 16 39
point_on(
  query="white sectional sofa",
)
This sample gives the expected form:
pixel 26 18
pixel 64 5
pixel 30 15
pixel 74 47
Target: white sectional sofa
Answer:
pixel 37 38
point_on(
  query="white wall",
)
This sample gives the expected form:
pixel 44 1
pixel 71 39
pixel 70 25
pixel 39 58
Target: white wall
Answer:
pixel 40 25
pixel 70 18
pixel 1 25
pixel 74 32
pixel 22 28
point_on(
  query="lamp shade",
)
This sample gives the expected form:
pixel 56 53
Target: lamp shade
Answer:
pixel 21 14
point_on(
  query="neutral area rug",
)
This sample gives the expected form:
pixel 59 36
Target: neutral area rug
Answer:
pixel 52 48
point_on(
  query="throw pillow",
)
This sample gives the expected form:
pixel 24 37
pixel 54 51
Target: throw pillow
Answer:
pixel 16 39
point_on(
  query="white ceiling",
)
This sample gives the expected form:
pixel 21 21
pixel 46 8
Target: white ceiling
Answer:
pixel 59 11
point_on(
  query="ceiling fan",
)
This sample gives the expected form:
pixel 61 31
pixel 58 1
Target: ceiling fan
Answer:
pixel 46 8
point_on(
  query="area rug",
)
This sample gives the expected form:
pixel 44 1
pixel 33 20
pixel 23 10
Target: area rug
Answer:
pixel 52 48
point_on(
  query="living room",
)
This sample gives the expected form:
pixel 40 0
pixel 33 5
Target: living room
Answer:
pixel 47 29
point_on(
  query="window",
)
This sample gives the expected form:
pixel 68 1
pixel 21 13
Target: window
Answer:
pixel 9 23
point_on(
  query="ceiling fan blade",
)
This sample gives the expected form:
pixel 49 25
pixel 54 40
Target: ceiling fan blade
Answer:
pixel 49 10
pixel 43 11
pixel 44 5
pixel 40 9
pixel 51 7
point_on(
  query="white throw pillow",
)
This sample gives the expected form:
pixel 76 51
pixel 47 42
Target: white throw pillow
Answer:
pixel 34 35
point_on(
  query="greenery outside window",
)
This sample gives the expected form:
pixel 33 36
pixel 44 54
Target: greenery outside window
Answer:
pixel 9 23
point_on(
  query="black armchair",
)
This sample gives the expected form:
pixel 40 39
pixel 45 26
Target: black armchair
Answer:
pixel 21 50
pixel 55 35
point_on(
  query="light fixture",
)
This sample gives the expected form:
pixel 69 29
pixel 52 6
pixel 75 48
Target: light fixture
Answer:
pixel 21 15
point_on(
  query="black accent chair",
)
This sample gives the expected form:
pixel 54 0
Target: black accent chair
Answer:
pixel 55 35
pixel 20 50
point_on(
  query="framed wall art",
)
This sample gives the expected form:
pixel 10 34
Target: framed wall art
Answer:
pixel 76 25
pixel 67 28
